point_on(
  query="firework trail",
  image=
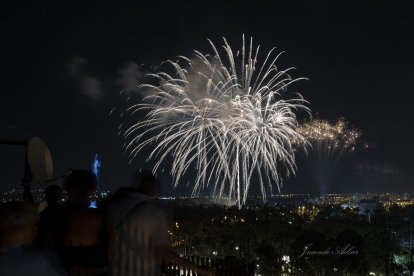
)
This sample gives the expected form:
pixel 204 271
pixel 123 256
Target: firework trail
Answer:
pixel 225 113
pixel 330 143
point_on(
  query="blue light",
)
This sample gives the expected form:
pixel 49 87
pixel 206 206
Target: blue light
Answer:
pixel 93 204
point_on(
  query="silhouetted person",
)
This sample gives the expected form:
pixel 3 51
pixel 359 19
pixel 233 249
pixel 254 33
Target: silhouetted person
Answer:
pixel 49 216
pixel 120 193
pixel 85 244
pixel 141 227
pixel 18 226
pixel 53 196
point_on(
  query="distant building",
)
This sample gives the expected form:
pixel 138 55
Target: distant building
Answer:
pixel 288 200
pixel 367 206
pixel 224 202
pixel 205 201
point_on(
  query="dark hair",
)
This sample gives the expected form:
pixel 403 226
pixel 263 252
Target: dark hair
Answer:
pixel 145 182
pixel 81 181
pixel 53 193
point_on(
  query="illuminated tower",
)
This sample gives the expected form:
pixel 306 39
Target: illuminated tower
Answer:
pixel 96 168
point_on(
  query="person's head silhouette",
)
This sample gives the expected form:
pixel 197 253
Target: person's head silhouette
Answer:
pixel 145 182
pixel 80 185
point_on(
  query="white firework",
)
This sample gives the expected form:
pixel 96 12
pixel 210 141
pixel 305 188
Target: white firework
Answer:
pixel 227 115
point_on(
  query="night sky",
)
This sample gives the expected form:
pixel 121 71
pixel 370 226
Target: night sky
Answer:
pixel 65 64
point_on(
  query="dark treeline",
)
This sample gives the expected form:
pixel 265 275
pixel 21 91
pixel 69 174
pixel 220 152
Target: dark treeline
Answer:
pixel 280 241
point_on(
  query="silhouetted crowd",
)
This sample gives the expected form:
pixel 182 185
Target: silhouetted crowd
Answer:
pixel 126 235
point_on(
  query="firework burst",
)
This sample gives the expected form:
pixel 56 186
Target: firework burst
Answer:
pixel 330 143
pixel 330 139
pixel 224 113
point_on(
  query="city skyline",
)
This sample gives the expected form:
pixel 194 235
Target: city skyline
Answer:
pixel 67 64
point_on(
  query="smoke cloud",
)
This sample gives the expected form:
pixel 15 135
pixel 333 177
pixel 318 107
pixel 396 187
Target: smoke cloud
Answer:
pixel 89 86
pixel 130 76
